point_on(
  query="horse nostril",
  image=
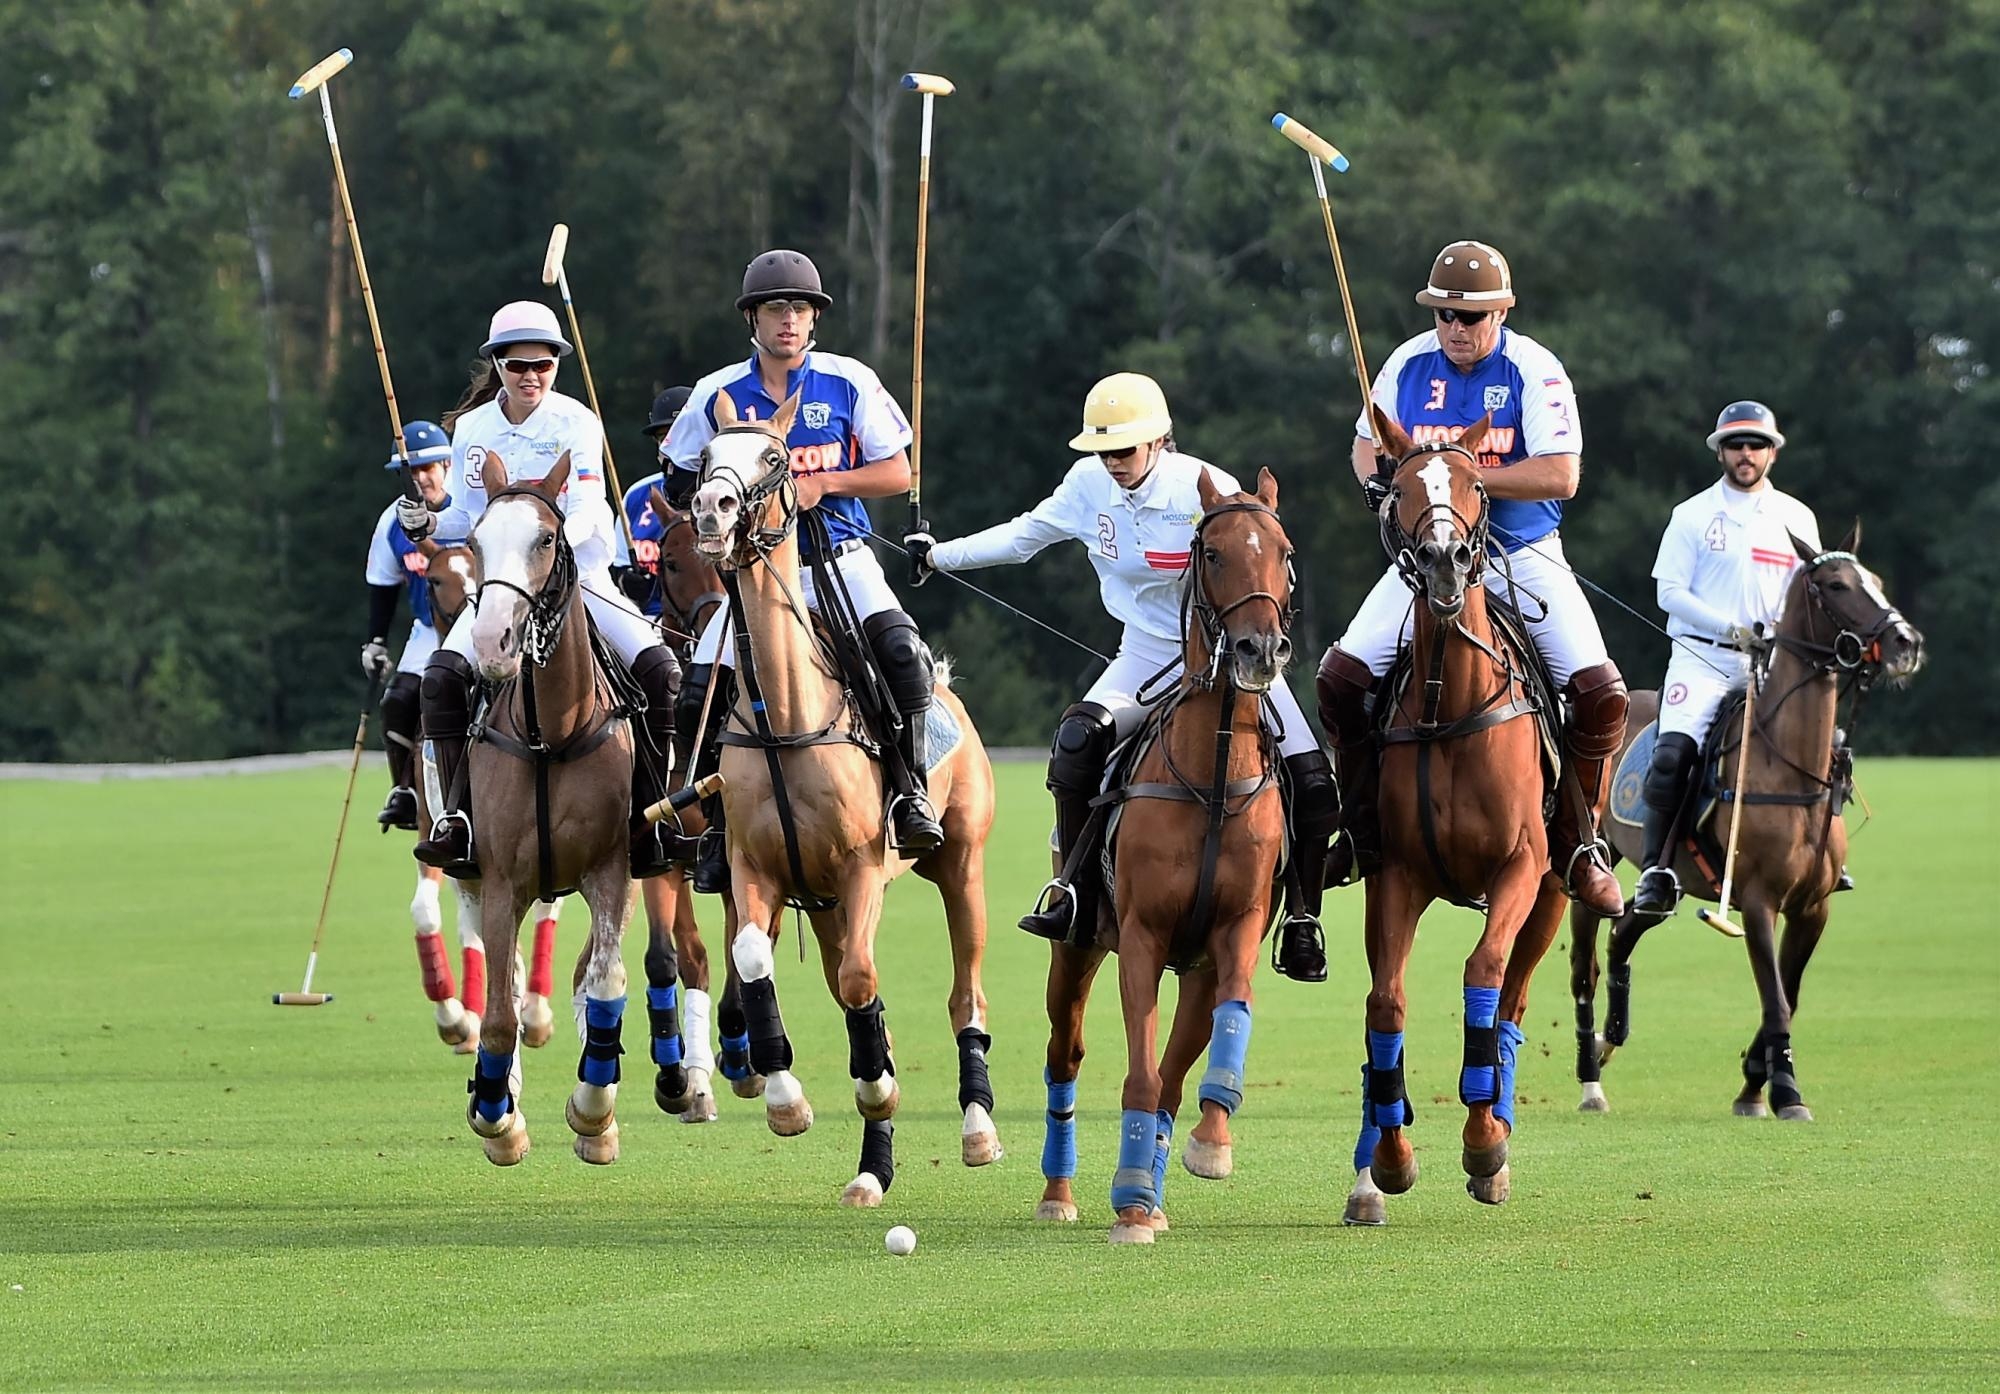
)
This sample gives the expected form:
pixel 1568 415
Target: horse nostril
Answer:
pixel 1461 557
pixel 1281 652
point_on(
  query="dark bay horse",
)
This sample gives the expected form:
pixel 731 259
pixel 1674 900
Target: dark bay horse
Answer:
pixel 1463 818
pixel 805 812
pixel 551 793
pixel 1837 627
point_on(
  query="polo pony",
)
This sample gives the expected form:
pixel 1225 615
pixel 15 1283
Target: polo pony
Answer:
pixel 1836 627
pixel 805 809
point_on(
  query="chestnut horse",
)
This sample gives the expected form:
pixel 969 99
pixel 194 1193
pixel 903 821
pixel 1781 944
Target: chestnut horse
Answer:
pixel 805 811
pixel 1836 626
pixel 1462 814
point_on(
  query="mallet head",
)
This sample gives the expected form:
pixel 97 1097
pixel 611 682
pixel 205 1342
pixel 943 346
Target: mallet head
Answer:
pixel 315 77
pixel 930 84
pixel 552 263
pixel 1308 142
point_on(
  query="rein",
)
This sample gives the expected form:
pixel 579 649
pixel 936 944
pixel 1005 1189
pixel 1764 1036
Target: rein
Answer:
pixel 690 617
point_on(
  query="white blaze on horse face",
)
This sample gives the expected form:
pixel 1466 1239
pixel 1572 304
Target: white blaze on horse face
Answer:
pixel 460 565
pixel 1437 489
pixel 507 537
pixel 735 459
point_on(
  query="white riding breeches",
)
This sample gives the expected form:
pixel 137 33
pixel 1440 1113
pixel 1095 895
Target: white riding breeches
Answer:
pixel 617 619
pixel 1141 655
pixel 1699 677
pixel 417 649
pixel 1559 619
pixel 867 587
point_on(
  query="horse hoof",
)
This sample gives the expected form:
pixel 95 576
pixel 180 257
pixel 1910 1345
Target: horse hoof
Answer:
pixel 510 1144
pixel 1593 1100
pixel 457 1027
pixel 979 1141
pixel 701 1098
pixel 538 1021
pixel 1490 1190
pixel 874 1103
pixel 749 1087
pixel 582 1126
pixel 1208 1160
pixel 669 1103
pixel 599 1149
pixel 1132 1232
pixel 1394 1180
pixel 789 1120
pixel 1752 1107
pixel 1060 1211
pixel 864 1192
pixel 1158 1220
pixel 1606 1047
pixel 1368 1208
pixel 1795 1113
pixel 1481 1162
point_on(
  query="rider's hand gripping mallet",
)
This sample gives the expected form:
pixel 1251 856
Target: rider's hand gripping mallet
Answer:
pixel 315 80
pixel 1718 918
pixel 1324 153
pixel 932 87
pixel 553 274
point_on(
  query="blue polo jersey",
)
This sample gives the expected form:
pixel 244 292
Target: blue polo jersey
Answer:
pixel 1525 388
pixel 394 559
pixel 647 529
pixel 846 419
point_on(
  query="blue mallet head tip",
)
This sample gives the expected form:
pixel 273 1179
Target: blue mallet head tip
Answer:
pixel 1278 121
pixel 910 81
pixel 1340 163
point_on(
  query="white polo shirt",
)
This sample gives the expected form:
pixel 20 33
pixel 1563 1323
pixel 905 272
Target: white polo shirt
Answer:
pixel 1727 558
pixel 530 451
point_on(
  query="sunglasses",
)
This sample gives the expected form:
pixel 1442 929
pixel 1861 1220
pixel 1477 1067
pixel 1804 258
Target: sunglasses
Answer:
pixel 518 366
pixel 781 308
pixel 1463 316
pixel 1127 453
pixel 1746 443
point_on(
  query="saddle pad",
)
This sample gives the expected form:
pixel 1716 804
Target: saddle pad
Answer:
pixel 1628 786
pixel 941 734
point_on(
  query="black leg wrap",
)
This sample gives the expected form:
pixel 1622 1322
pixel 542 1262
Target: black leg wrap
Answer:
pixel 601 1043
pixel 868 1043
pixel 731 1023
pixel 1618 1003
pixel 974 1085
pixel 1482 1052
pixel 1589 1070
pixel 1386 1092
pixel 1784 1087
pixel 1756 1069
pixel 770 1048
pixel 878 1151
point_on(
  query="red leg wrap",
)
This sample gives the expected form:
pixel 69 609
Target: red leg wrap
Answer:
pixel 473 971
pixel 541 976
pixel 436 967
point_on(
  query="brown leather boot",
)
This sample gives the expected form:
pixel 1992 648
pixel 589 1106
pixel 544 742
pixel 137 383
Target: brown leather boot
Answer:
pixel 1596 730
pixel 1344 687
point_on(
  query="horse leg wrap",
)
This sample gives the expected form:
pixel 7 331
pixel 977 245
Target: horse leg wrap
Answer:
pixel 1364 1144
pixel 1059 1135
pixel 974 1085
pixel 1479 1079
pixel 663 1015
pixel 1163 1144
pixel 878 1151
pixel 695 1031
pixel 1756 1068
pixel 1511 1040
pixel 867 1043
pixel 735 1028
pixel 1228 1045
pixel 542 967
pixel 472 974
pixel 435 965
pixel 1385 1100
pixel 1132 1183
pixel 1778 1069
pixel 602 1021
pixel 769 1049
pixel 488 1086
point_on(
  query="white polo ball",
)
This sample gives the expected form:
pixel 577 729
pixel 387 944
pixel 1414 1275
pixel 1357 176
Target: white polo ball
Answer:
pixel 900 1241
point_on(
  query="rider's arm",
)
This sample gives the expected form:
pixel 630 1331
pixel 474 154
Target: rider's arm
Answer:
pixel 1674 572
pixel 385 576
pixel 878 479
pixel 1535 478
pixel 381 609
pixel 1684 605
pixel 1054 519
pixel 1364 459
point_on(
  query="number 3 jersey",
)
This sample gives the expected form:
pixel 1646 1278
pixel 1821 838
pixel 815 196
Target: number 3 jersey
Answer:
pixel 1523 385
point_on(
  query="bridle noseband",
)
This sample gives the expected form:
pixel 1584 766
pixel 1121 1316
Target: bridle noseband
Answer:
pixel 776 479
pixel 548 607
pixel 1201 614
pixel 1400 544
pixel 1850 651
pixel 690 615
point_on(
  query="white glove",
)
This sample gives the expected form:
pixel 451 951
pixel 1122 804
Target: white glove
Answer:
pixel 375 661
pixel 1742 636
pixel 416 519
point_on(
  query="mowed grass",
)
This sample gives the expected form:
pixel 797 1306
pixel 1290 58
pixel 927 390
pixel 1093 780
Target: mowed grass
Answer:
pixel 198 1190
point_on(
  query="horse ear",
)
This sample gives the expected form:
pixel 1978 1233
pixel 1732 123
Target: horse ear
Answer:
pixel 1389 437
pixel 658 500
pixel 1852 542
pixel 781 424
pixel 1806 554
pixel 429 548
pixel 552 487
pixel 1476 433
pixel 725 409
pixel 493 473
pixel 1206 490
pixel 1267 488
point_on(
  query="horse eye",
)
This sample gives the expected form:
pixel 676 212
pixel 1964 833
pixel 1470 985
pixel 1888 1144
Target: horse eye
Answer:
pixel 1211 556
pixel 1838 585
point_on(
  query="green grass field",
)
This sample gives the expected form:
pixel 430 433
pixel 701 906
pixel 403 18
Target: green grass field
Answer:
pixel 200 1191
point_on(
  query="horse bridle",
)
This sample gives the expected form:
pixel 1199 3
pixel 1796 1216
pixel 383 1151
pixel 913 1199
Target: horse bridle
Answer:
pixel 548 607
pixel 1400 544
pixel 777 479
pixel 1851 651
pixel 689 618
pixel 1200 610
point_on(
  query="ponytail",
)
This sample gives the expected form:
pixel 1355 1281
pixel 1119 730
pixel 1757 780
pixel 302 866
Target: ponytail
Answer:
pixel 483 388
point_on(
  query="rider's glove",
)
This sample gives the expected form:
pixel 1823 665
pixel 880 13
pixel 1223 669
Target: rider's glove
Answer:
pixel 417 521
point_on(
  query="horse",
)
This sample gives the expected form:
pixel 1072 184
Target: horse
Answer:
pixel 550 775
pixel 1837 627
pixel 1463 817
pixel 1196 849
pixel 448 576
pixel 805 811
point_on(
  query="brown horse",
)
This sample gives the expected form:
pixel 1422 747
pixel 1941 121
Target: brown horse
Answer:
pixel 1463 819
pixel 804 811
pixel 1837 626
pixel 551 793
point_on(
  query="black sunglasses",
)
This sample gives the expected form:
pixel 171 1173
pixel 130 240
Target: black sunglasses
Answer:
pixel 527 365
pixel 1463 316
pixel 1127 453
pixel 1746 443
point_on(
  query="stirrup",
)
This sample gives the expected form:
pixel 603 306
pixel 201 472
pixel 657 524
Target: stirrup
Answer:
pixel 436 850
pixel 1304 959
pixel 1041 920
pixel 922 837
pixel 1843 882
pixel 399 810
pixel 1589 852
pixel 1658 891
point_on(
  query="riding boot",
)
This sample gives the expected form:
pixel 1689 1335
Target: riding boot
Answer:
pixel 1066 911
pixel 906 668
pixel 696 753
pixel 1346 689
pixel 448 687
pixel 1312 818
pixel 1667 781
pixel 658 674
pixel 401 710
pixel 1596 729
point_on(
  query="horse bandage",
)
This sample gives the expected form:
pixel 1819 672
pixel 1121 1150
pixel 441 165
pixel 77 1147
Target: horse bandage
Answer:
pixel 664 1018
pixel 1228 1046
pixel 603 1020
pixel 1479 1079
pixel 1059 1137
pixel 1132 1183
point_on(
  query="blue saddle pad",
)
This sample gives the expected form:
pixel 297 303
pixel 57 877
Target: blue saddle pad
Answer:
pixel 941 734
pixel 1628 786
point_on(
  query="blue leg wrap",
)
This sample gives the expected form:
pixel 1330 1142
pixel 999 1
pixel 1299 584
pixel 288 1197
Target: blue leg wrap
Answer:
pixel 602 1018
pixel 1132 1183
pixel 663 1003
pixel 489 1086
pixel 1228 1044
pixel 1163 1143
pixel 1479 1079
pixel 1511 1041
pixel 1385 1099
pixel 1364 1145
pixel 1059 1134
pixel 735 1062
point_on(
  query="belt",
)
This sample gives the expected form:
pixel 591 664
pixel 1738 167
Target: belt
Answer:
pixel 1712 643
pixel 853 544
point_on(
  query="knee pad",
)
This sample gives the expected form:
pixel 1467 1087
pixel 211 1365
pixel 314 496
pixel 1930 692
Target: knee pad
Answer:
pixel 658 673
pixel 1597 711
pixel 446 694
pixel 401 704
pixel 1673 755
pixel 906 663
pixel 1082 748
pixel 1343 688
pixel 1315 806
pixel 692 692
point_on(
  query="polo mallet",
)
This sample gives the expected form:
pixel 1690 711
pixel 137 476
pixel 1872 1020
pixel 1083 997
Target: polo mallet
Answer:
pixel 1324 153
pixel 553 274
pixel 315 80
pixel 305 996
pixel 932 87
pixel 1718 918
pixel 683 796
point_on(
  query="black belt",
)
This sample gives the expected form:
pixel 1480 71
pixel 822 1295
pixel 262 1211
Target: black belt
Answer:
pixel 853 544
pixel 1712 643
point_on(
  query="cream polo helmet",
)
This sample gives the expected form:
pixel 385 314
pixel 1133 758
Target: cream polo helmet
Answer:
pixel 1123 410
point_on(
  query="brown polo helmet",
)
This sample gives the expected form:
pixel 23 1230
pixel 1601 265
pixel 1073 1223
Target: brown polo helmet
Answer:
pixel 1469 276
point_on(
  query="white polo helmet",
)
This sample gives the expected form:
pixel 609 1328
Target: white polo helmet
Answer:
pixel 1123 410
pixel 523 322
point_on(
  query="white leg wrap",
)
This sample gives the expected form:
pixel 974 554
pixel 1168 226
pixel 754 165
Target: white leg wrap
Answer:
pixel 698 1050
pixel 425 911
pixel 752 952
